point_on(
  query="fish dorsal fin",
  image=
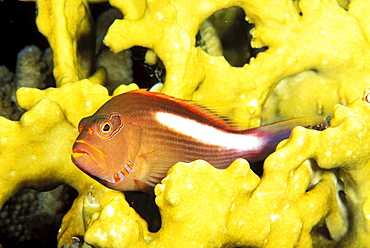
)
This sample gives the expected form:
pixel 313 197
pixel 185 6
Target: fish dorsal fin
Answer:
pixel 214 112
pixel 223 110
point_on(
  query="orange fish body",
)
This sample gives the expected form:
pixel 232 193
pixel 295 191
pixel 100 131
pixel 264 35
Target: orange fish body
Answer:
pixel 130 143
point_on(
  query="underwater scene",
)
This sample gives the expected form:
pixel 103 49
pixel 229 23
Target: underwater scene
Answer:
pixel 199 123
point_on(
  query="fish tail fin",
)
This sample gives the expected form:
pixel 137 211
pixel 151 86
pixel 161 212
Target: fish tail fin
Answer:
pixel 282 127
pixel 272 134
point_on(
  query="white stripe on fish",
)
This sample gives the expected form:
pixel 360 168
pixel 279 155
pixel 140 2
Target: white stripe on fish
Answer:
pixel 208 134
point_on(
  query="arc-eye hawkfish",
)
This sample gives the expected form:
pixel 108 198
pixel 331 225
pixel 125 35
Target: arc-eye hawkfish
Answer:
pixel 130 143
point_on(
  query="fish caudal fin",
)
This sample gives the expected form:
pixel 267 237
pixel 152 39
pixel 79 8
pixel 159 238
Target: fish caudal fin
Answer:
pixel 272 134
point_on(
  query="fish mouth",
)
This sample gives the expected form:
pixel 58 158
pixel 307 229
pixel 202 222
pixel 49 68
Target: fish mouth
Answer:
pixel 88 158
pixel 92 161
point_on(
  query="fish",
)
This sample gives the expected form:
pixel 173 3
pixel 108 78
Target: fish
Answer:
pixel 132 141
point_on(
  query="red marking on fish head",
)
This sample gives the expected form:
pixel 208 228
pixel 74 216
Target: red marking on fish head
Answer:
pixel 124 181
pixel 100 148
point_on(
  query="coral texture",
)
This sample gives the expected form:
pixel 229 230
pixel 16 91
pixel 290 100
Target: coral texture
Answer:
pixel 32 216
pixel 314 188
pixel 31 71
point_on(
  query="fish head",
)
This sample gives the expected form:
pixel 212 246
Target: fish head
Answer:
pixel 101 147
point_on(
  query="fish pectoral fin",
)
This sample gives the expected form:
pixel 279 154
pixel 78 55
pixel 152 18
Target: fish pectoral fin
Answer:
pixel 151 183
pixel 156 174
pixel 158 163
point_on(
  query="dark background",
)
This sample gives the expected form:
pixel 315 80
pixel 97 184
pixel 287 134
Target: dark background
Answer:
pixel 18 29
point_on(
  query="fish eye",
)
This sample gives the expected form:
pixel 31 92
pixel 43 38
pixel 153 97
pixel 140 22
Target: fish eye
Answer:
pixel 109 127
pixel 106 127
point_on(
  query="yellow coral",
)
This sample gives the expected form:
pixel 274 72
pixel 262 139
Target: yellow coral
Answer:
pixel 323 41
pixel 313 46
pixel 65 24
